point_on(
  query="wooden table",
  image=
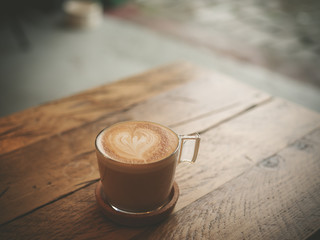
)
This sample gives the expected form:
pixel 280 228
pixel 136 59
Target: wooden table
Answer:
pixel 257 175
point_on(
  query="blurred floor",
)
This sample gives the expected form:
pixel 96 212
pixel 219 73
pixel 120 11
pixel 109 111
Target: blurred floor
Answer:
pixel 56 61
pixel 280 35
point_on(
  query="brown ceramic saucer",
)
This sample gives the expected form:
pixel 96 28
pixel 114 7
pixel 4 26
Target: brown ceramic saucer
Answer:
pixel 136 220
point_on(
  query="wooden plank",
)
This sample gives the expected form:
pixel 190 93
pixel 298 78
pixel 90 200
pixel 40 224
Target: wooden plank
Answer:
pixel 73 217
pixel 278 198
pixel 34 124
pixel 207 101
pixel 53 167
pixel 228 151
pixel 77 218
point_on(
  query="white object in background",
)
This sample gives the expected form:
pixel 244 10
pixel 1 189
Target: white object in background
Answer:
pixel 84 14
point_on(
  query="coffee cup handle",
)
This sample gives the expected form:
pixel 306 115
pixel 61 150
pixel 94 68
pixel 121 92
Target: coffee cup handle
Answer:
pixel 183 140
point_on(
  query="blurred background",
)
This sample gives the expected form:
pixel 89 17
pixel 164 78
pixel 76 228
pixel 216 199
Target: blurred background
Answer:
pixel 52 49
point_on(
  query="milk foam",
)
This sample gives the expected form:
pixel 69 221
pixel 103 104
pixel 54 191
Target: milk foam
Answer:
pixel 137 142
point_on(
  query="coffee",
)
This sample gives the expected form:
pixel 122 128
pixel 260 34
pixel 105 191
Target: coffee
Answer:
pixel 137 162
pixel 138 142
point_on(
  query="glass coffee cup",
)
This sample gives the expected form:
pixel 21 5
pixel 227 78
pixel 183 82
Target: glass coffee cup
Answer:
pixel 137 163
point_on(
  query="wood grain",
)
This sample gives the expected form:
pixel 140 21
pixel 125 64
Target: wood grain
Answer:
pixel 227 154
pixel 48 169
pixel 210 99
pixel 230 148
pixel 34 124
pixel 72 217
pixel 256 174
pixel 277 198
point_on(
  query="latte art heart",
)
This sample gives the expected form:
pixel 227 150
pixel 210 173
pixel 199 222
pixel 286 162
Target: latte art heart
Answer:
pixel 135 145
pixel 138 142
